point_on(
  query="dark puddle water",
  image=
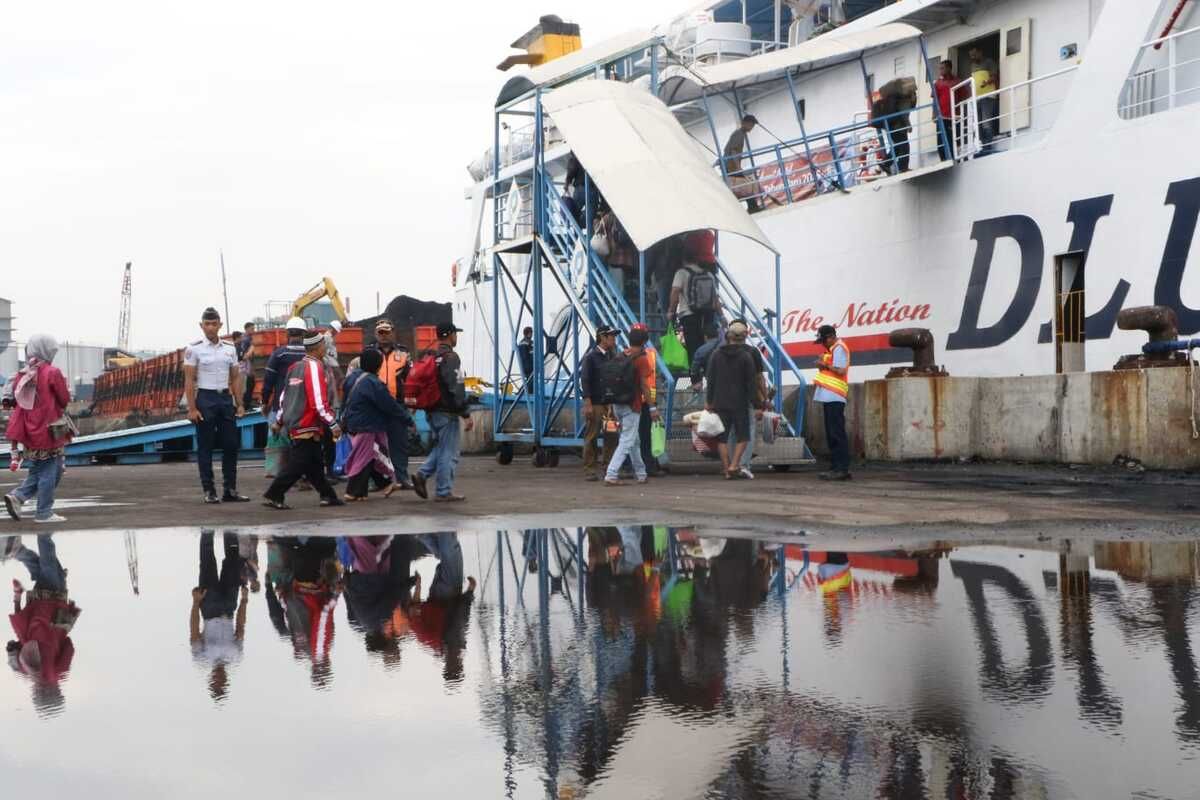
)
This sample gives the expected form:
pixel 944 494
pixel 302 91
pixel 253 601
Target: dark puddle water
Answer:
pixel 601 662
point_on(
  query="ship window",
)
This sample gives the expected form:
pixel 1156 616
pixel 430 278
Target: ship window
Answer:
pixel 1012 42
pixel 898 65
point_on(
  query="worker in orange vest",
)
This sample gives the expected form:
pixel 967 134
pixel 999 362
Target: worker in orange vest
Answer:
pixel 833 386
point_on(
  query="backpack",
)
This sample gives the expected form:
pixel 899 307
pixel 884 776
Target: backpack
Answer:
pixel 294 401
pixel 618 379
pixel 702 290
pixel 423 388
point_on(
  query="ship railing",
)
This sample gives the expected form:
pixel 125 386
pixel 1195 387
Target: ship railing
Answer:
pixel 717 50
pixel 1166 75
pixel 512 212
pixel 861 151
pixel 1008 118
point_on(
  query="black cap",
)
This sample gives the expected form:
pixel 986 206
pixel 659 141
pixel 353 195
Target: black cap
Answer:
pixel 447 328
pixel 210 313
pixel 825 330
pixel 605 330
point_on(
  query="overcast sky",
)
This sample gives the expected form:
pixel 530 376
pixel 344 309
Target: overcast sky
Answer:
pixel 304 139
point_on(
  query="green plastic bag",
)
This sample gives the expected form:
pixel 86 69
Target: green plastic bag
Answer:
pixel 658 439
pixel 673 352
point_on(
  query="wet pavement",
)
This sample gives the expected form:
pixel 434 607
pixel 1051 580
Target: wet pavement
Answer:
pixel 629 662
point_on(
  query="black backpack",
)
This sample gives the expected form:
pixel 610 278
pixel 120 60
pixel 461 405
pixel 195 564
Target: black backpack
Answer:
pixel 618 379
pixel 295 399
pixel 701 290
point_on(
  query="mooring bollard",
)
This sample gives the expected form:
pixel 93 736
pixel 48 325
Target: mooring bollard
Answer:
pixel 1165 348
pixel 920 341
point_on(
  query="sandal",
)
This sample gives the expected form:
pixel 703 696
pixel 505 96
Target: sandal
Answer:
pixel 349 498
pixel 392 487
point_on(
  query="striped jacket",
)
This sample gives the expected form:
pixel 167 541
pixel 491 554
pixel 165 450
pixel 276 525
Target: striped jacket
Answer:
pixel 318 414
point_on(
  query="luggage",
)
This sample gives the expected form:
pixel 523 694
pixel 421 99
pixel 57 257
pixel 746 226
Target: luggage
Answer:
pixel 701 290
pixel 674 354
pixel 618 379
pixel 422 389
pixel 295 399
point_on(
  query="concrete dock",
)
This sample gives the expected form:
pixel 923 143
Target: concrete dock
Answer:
pixel 885 501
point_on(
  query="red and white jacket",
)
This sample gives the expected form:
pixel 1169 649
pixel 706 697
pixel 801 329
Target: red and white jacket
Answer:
pixel 318 413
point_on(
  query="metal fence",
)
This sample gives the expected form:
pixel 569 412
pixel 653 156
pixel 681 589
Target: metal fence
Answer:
pixel 1154 89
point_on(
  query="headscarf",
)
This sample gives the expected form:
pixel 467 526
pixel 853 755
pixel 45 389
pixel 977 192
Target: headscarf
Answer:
pixel 40 349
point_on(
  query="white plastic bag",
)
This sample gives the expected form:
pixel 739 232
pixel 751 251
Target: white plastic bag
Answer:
pixel 600 244
pixel 710 425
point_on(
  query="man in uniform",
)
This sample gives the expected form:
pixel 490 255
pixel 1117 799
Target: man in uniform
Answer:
pixel 833 386
pixel 396 363
pixel 213 390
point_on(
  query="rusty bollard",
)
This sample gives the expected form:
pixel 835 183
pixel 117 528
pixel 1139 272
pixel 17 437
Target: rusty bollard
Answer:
pixel 1161 324
pixel 920 341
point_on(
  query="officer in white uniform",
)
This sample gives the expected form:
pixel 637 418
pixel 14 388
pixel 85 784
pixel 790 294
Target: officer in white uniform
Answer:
pixel 213 389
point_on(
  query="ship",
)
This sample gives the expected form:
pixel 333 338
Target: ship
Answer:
pixel 1022 223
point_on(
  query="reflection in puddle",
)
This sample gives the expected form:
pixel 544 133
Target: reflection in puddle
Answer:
pixel 633 662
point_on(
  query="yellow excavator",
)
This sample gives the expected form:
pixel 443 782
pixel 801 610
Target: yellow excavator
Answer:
pixel 323 289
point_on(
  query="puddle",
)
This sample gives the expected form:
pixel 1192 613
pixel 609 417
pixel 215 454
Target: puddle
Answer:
pixel 605 662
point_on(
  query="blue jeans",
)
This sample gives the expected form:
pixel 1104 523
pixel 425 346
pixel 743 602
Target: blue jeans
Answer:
pixel 42 480
pixel 43 566
pixel 628 445
pixel 443 458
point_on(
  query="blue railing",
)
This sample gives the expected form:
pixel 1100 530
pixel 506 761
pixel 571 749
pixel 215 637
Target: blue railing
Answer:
pixel 835 159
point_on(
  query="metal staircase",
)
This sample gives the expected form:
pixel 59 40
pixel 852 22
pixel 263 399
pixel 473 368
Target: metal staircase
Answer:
pixel 559 250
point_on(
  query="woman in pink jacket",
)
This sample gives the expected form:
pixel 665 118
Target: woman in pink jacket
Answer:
pixel 40 392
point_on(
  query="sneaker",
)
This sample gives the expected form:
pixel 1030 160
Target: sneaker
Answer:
pixel 835 476
pixel 52 518
pixel 449 498
pixel 591 476
pixel 617 482
pixel 210 496
pixel 329 502
pixel 746 473
pixel 231 496
pixel 13 504
pixel 418 482
pixel 643 480
pixel 278 505
pixel 9 545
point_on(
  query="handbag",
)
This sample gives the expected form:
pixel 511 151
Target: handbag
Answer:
pixel 64 427
pixel 674 354
pixel 658 439
pixel 600 244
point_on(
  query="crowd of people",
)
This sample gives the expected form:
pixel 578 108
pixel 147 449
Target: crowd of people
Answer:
pixel 311 406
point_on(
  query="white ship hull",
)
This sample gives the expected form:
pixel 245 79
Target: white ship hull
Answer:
pixel 973 252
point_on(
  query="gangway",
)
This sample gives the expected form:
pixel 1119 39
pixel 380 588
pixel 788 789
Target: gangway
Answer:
pixel 559 265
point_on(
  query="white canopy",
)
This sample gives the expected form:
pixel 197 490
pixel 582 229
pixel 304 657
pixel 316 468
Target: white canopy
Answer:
pixel 679 84
pixel 656 178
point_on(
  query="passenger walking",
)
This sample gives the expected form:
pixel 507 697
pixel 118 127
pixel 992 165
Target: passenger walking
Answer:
pixel 695 299
pixel 217 622
pixel 595 409
pixel 305 413
pixel 446 421
pixel 735 145
pixel 629 387
pixel 370 412
pixel 833 387
pixel 525 353
pixel 43 649
pixel 986 77
pixel 37 426
pixel 645 420
pixel 622 258
pixel 393 373
pixel 245 354
pixel 733 394
pixel 334 378
pixel 947 99
pixel 280 361
pixel 213 391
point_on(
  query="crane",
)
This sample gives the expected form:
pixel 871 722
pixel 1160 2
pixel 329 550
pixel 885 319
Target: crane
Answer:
pixel 126 307
pixel 323 289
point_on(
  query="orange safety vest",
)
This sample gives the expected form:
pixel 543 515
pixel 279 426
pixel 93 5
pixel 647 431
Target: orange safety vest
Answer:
pixel 831 381
pixel 393 364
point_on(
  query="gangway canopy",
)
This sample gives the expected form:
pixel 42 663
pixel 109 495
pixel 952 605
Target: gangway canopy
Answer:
pixel 657 179
pixel 684 84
